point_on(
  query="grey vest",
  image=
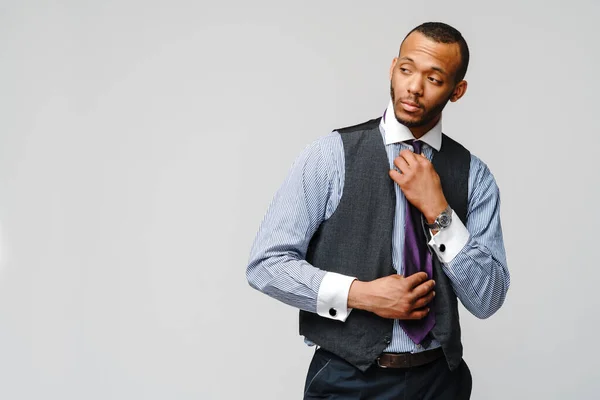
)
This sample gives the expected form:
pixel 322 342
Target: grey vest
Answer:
pixel 357 241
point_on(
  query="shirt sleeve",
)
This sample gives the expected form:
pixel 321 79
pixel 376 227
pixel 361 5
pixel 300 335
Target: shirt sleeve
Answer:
pixel 473 256
pixel 277 264
pixel 332 299
pixel 447 243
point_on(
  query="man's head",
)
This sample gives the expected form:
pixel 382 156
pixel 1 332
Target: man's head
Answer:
pixel 428 72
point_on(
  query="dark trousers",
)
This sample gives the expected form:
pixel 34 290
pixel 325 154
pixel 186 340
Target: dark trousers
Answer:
pixel 331 377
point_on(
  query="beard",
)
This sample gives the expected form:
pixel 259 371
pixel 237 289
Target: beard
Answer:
pixel 429 114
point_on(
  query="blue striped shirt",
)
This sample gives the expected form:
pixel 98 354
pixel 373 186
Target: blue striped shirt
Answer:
pixel 310 194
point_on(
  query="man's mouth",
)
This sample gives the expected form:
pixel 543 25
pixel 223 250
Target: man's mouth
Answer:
pixel 410 106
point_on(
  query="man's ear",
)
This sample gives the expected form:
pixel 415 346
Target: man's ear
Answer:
pixel 459 91
pixel 394 61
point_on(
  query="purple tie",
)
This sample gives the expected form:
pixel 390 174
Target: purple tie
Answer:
pixel 416 258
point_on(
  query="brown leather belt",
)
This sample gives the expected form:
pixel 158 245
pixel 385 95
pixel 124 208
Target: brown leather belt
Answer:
pixel 408 360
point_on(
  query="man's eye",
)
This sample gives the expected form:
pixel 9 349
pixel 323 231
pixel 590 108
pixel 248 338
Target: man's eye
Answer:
pixel 436 81
pixel 404 70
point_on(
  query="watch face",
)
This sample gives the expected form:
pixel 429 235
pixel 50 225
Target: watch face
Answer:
pixel 444 220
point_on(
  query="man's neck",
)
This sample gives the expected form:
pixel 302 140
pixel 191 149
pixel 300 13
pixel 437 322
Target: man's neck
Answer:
pixel 419 131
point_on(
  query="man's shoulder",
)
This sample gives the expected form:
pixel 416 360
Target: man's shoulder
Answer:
pixel 481 178
pixel 478 166
pixel 330 141
pixel 449 141
pixel 325 149
pixel 364 126
pixel 478 169
pixel 476 162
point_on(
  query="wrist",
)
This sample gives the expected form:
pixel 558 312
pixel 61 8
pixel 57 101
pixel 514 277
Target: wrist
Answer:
pixel 432 213
pixel 358 295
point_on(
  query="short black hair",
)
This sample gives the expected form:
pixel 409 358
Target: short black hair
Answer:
pixel 444 33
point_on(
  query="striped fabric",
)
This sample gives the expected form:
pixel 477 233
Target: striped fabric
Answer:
pixel 310 194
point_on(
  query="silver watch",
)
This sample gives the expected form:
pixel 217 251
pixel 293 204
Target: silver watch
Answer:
pixel 442 221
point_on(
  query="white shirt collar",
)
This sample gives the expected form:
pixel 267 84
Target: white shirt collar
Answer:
pixel 395 132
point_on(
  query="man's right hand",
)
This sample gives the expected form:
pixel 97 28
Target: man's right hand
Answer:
pixel 394 296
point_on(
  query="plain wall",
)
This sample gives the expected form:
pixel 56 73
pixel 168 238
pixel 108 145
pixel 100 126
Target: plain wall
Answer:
pixel 142 141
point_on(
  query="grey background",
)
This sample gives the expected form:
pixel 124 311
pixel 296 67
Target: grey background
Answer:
pixel 141 142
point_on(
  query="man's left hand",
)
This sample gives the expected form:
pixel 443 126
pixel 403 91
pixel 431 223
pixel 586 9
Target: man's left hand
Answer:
pixel 420 183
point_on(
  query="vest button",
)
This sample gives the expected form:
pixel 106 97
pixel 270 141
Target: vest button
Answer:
pixel 332 312
pixel 387 340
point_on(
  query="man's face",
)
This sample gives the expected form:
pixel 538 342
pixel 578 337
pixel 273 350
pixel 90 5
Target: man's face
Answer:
pixel 422 80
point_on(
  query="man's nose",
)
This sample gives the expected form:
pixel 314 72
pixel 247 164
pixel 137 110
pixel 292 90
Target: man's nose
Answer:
pixel 415 85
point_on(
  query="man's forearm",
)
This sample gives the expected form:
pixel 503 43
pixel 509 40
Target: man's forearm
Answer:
pixel 473 256
pixel 479 280
pixel 291 281
pixel 299 284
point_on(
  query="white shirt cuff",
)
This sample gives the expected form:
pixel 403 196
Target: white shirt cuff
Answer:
pixel 332 299
pixel 448 242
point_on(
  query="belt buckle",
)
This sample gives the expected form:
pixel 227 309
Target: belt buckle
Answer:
pixel 379 364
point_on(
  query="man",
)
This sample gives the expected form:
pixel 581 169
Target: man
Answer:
pixel 378 229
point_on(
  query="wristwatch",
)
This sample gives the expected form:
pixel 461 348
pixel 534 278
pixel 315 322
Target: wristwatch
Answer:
pixel 442 221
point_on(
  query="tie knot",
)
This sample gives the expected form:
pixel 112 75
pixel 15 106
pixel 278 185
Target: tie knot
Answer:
pixel 417 146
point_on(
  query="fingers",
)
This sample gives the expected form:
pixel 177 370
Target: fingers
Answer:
pixel 397 177
pixel 423 301
pixel 406 162
pixel 410 157
pixel 402 164
pixel 419 314
pixel 423 289
pixel 415 280
pixel 414 159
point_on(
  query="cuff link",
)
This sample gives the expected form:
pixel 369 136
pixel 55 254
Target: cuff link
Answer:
pixel 332 312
